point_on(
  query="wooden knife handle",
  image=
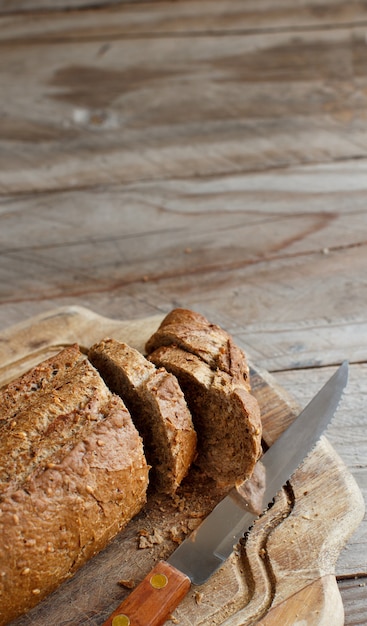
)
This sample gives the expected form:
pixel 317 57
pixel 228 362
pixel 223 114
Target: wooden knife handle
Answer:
pixel 153 600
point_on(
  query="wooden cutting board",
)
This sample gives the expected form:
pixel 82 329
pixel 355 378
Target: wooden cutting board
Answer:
pixel 282 574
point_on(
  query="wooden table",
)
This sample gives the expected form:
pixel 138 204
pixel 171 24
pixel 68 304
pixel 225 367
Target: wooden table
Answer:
pixel 210 154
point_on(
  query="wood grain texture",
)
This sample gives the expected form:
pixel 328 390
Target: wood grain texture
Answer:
pixel 353 593
pixel 288 557
pixel 136 17
pixel 270 256
pixel 101 114
pixel 308 606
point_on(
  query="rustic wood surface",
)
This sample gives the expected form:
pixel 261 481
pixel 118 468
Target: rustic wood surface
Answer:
pixel 206 154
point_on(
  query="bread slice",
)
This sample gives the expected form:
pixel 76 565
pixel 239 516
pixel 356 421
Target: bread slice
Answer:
pixel 157 406
pixel 192 332
pixel 226 417
pixel 214 375
pixel 72 474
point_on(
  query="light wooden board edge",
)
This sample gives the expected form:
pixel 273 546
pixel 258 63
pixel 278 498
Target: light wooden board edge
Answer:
pixel 318 603
pixel 73 324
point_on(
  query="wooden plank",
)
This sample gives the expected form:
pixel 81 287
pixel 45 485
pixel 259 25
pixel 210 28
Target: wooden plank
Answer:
pixel 101 114
pixel 279 258
pixel 27 6
pixel 353 593
pixel 315 342
pixel 156 17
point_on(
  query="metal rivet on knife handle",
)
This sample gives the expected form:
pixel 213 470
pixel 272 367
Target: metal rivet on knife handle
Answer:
pixel 121 620
pixel 158 581
pixel 154 599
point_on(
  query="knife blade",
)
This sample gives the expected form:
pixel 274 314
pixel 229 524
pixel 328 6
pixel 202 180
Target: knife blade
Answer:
pixel 206 549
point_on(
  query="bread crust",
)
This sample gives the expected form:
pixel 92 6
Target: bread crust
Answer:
pixel 214 375
pixel 192 332
pixel 157 406
pixel 87 481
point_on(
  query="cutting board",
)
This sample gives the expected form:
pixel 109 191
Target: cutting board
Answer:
pixel 281 574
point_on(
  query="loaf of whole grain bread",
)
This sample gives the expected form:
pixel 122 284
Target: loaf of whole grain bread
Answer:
pixel 157 407
pixel 72 474
pixel 214 376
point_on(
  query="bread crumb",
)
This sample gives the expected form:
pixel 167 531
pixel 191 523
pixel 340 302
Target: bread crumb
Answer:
pixel 175 535
pixel 179 503
pixel 36 592
pixel 173 619
pixel 198 596
pixel 148 540
pixel 128 583
pixel 26 571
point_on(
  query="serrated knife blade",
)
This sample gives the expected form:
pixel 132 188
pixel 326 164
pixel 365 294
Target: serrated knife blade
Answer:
pixel 204 551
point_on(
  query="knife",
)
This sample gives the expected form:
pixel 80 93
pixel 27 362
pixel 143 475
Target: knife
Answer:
pixel 206 549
